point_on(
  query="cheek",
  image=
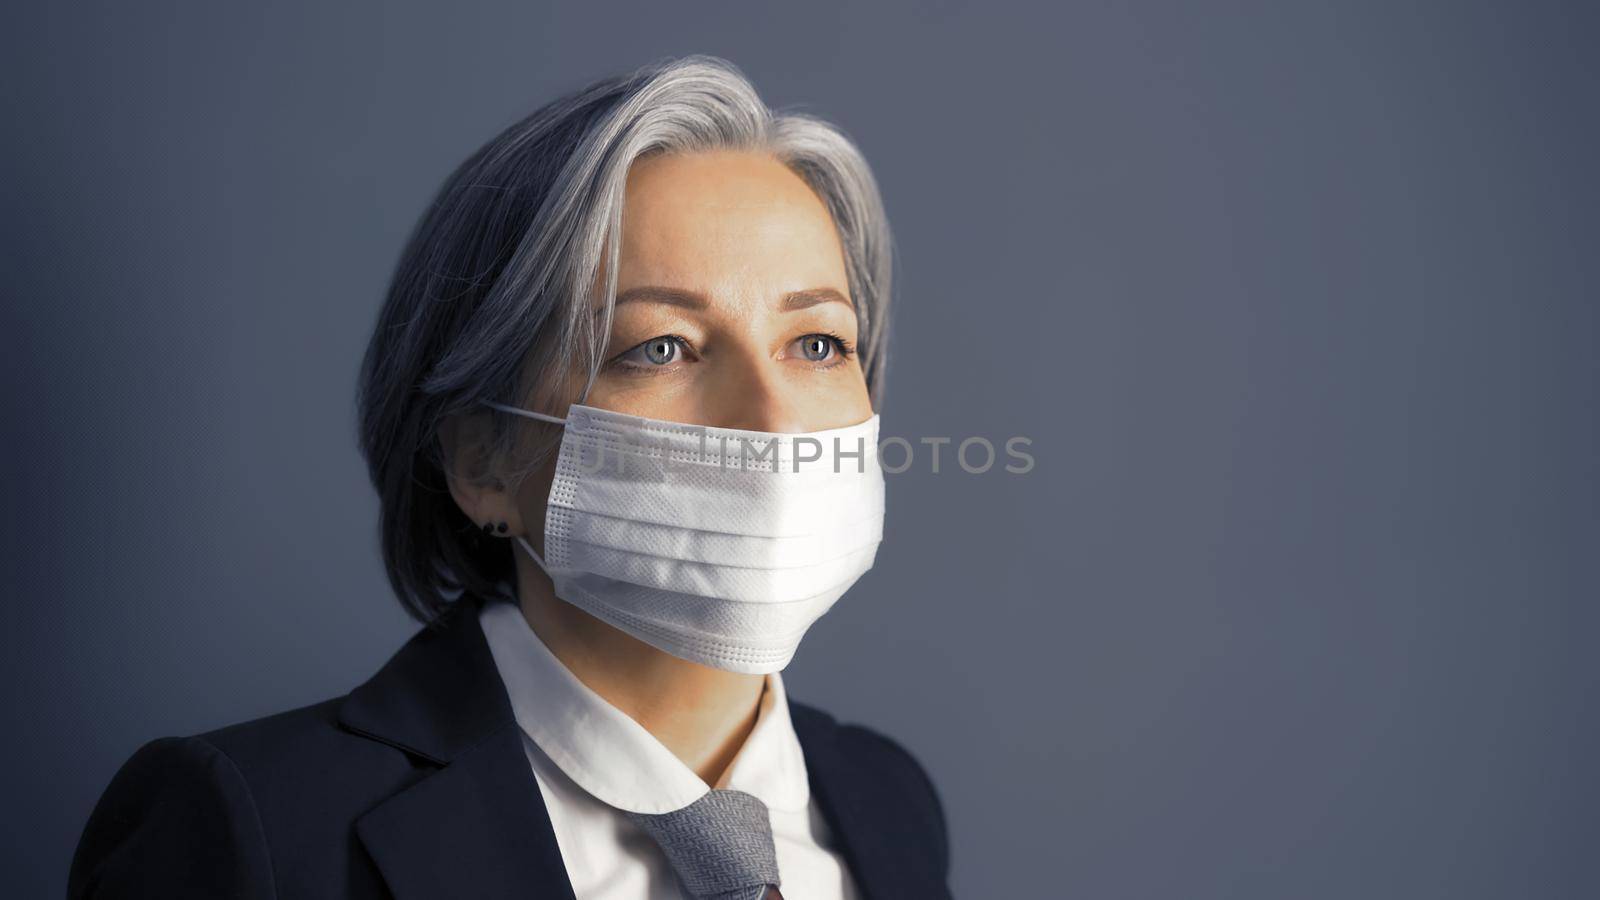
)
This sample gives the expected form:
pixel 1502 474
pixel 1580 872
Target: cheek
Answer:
pixel 837 399
pixel 672 397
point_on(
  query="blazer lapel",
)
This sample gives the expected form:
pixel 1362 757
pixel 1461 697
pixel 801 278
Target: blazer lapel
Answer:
pixel 863 815
pixel 475 823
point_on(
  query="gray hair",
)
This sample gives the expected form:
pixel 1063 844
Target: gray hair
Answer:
pixel 493 296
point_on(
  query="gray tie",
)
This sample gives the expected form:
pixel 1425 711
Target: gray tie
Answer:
pixel 720 845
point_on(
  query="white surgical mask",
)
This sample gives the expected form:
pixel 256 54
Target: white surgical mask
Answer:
pixel 717 545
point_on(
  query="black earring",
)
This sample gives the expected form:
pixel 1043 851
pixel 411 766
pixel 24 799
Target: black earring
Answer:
pixel 502 528
pixel 488 528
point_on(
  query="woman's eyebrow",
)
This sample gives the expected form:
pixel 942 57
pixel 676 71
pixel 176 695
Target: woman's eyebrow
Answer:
pixel 802 299
pixel 669 296
pixel 794 300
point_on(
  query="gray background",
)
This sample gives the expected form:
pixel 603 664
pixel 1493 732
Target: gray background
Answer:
pixel 1297 303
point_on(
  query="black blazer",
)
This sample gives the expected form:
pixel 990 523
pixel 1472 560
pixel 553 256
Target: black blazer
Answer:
pixel 415 786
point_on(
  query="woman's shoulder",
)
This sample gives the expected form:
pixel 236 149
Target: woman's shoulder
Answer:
pixel 288 758
pixel 875 769
pixel 287 743
pixel 201 810
pixel 176 819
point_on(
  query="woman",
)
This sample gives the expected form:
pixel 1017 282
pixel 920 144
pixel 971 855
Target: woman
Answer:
pixel 618 408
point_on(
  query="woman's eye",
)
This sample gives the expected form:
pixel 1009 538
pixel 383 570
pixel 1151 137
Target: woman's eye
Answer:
pixel 823 348
pixel 654 353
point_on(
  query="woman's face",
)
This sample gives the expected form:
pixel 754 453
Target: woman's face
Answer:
pixel 733 310
pixel 733 305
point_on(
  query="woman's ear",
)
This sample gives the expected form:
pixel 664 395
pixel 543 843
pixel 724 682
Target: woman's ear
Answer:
pixel 471 468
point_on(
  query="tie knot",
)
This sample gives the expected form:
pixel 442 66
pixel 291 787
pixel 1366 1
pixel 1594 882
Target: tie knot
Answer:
pixel 720 845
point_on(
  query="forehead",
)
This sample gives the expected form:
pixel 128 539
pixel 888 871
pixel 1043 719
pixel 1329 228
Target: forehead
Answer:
pixel 703 220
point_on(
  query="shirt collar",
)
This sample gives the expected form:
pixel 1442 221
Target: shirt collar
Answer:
pixel 613 757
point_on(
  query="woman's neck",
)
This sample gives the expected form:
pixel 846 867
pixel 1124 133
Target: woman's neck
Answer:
pixel 701 714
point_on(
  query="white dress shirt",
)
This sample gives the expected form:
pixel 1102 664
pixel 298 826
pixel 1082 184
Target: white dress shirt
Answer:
pixel 592 760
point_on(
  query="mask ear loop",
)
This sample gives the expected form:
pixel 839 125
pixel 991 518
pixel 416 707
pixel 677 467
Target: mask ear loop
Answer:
pixel 530 414
pixel 527 413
